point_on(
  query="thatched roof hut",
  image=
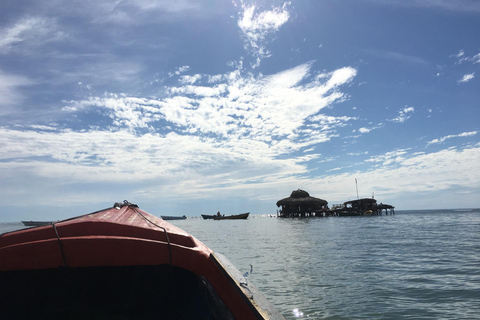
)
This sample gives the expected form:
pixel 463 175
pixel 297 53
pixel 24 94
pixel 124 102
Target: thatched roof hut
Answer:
pixel 301 204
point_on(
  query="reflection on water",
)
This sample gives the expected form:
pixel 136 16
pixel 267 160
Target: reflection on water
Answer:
pixel 297 313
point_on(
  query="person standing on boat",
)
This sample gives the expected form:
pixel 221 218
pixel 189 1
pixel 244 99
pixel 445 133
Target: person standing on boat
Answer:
pixel 218 214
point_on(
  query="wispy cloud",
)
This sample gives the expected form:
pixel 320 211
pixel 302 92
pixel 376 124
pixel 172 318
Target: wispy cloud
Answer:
pixel 179 71
pixel 464 134
pixel 100 71
pixel 461 57
pixel 132 12
pixel 357 153
pixel 403 115
pixel 460 54
pixel 29 32
pixel 10 90
pixel 389 157
pixel 167 6
pixel 397 56
pixel 467 77
pixel 256 27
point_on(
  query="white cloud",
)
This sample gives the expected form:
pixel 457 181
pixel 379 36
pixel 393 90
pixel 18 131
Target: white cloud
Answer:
pixel 162 165
pixel 215 78
pixel 367 130
pixel 187 79
pixel 179 71
pixel 464 134
pixel 399 175
pixel 199 90
pixel 357 153
pixel 257 26
pixel 272 109
pixel 43 127
pixel 467 77
pixel 389 157
pixel 237 133
pixel 463 58
pixel 403 115
pixel 153 166
pixel 476 58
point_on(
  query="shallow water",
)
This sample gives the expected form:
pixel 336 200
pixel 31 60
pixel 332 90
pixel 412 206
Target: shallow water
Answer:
pixel 413 265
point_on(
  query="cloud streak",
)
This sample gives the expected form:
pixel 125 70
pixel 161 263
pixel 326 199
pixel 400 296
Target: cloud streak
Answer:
pixel 29 32
pixel 443 139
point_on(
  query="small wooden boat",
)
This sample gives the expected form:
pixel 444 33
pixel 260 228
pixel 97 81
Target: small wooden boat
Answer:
pixel 120 262
pixel 207 216
pixel 36 223
pixel 232 217
pixel 173 217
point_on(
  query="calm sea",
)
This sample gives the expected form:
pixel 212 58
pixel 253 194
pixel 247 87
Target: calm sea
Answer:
pixel 412 265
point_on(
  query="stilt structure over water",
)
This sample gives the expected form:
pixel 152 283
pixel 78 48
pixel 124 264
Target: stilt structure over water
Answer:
pixel 300 204
pixel 361 207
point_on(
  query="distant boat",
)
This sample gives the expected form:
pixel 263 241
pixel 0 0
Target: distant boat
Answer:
pixel 208 216
pixel 37 223
pixel 232 217
pixel 173 217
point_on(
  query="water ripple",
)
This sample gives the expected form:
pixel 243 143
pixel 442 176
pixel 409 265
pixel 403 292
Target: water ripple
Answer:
pixel 414 265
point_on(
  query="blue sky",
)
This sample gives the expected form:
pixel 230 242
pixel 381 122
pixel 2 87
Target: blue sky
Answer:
pixel 190 107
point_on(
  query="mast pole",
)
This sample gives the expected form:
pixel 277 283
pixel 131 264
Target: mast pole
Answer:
pixel 356 186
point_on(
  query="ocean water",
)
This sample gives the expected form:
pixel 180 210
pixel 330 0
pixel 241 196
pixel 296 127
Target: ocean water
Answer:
pixel 412 265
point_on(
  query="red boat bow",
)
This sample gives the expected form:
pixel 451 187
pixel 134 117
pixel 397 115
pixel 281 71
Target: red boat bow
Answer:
pixel 116 237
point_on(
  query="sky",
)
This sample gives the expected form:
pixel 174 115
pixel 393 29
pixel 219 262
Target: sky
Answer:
pixel 191 107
